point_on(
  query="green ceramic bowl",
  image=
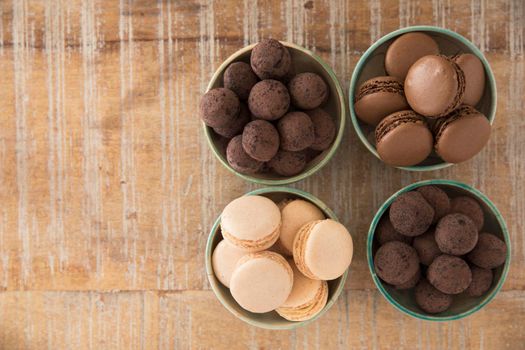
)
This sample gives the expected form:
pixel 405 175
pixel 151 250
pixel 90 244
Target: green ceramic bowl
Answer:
pixel 303 60
pixel 371 64
pixel 463 305
pixel 269 320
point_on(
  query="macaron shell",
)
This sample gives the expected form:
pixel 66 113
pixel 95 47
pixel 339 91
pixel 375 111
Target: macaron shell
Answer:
pixel 304 289
pixel 374 107
pixel 261 282
pixel 307 311
pixel 463 138
pixel 294 215
pixel 224 260
pixel 474 77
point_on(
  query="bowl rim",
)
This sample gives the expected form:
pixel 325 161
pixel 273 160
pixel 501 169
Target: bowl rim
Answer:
pixel 214 283
pixel 478 195
pixel 331 151
pixel 422 28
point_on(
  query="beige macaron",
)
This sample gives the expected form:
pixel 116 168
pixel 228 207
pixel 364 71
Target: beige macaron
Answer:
pixel 295 214
pixel 307 298
pixel 261 281
pixel 251 223
pixel 224 260
pixel 323 249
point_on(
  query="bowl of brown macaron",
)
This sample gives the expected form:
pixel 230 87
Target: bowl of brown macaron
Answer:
pixel 438 250
pixel 423 98
pixel 273 113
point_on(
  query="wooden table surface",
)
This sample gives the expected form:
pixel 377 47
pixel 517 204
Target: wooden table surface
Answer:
pixel 108 188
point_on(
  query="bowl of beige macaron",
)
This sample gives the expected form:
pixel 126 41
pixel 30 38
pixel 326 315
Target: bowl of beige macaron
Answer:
pixel 278 258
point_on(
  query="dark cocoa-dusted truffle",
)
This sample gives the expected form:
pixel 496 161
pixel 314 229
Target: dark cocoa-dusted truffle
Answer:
pixel 481 281
pixel 240 78
pixel 430 299
pixel 296 131
pixel 237 125
pixel 239 159
pixel 449 274
pixel 470 207
pixel 396 262
pixel 411 214
pixel 456 234
pixel 219 107
pixel 269 100
pixel 438 199
pixel 324 129
pixel 270 59
pixel 308 90
pixel 426 247
pixel 411 282
pixel 260 140
pixel 288 163
pixel 489 252
pixel 385 232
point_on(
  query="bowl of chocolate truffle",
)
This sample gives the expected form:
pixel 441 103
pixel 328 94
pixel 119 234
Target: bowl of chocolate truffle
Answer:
pixel 423 98
pixel 273 113
pixel 438 250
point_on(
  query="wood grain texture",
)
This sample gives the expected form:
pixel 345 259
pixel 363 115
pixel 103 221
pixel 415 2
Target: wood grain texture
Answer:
pixel 109 189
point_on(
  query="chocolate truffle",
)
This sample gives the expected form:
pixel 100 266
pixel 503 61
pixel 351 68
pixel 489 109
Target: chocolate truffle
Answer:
pixel 308 90
pixel 240 78
pixel 385 232
pixel 236 126
pixel 269 100
pixel 426 247
pixel 449 274
pixel 411 214
pixel 260 140
pixel 239 159
pixel 219 107
pixel 270 59
pixel 411 283
pixel 438 199
pixel 396 262
pixel 324 129
pixel 481 281
pixel 296 131
pixel 490 252
pixel 456 234
pixel 470 207
pixel 430 299
pixel 288 163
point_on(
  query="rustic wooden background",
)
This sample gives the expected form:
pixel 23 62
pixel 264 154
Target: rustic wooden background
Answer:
pixel 108 188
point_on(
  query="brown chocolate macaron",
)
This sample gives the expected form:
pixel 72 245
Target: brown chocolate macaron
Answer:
pixel 411 214
pixel 308 90
pixel 385 232
pixel 474 77
pixel 219 107
pixel 489 253
pixel 434 86
pixel 403 139
pixel 286 163
pixel 396 262
pixel 449 274
pixel 405 50
pixel 240 78
pixel 456 234
pixel 438 199
pixel 269 100
pixel 324 129
pixel 426 247
pixel 260 140
pixel 378 97
pixel 296 131
pixel 411 283
pixel 481 281
pixel 270 59
pixel 430 299
pixel 239 159
pixel 461 135
pixel 470 207
pixel 237 125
